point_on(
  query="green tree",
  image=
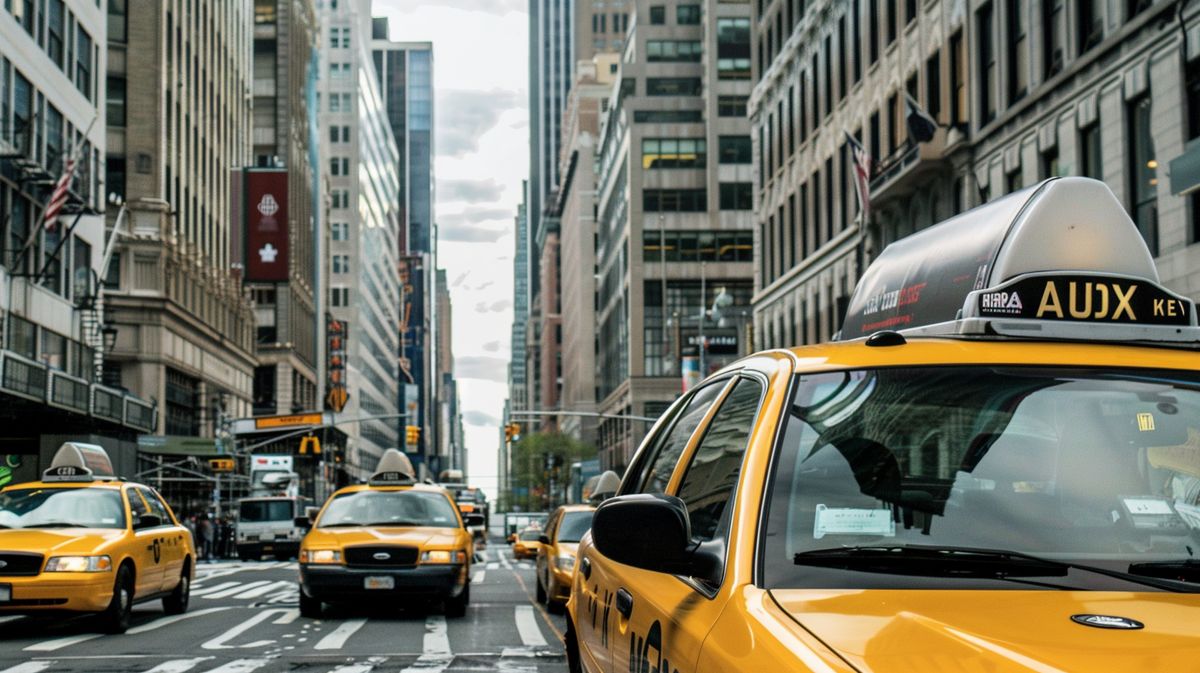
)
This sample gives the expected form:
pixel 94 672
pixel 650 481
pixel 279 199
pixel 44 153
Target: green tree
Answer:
pixel 541 467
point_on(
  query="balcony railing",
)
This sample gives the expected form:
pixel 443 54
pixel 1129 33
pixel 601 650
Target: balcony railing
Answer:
pixel 35 381
pixel 69 392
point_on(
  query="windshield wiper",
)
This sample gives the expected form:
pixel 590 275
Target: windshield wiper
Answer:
pixel 60 524
pixel 396 523
pixel 342 524
pixel 1185 570
pixel 948 561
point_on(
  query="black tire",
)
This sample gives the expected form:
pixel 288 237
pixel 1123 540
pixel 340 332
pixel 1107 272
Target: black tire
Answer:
pixel 574 665
pixel 457 606
pixel 176 603
pixel 541 592
pixel 116 617
pixel 310 607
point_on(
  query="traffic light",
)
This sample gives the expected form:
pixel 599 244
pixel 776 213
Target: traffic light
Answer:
pixel 512 432
pixel 310 442
pixel 412 435
pixel 222 464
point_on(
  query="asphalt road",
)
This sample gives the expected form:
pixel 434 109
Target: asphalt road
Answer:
pixel 244 617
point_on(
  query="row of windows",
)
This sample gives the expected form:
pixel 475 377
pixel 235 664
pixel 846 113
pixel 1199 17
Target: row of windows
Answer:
pixel 64 39
pixel 339 37
pixel 674 152
pixel 697 246
pixel 727 106
pixel 620 22
pixel 685 15
pixel 674 51
pixel 733 196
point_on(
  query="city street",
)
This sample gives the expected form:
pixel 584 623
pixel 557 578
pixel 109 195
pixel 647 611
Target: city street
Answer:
pixel 244 617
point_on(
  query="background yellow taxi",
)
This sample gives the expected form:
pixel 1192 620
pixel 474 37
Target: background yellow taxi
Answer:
pixel 82 541
pixel 525 544
pixel 1019 493
pixel 556 553
pixel 388 540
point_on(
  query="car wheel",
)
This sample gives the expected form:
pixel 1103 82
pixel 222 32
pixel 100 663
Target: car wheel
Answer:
pixel 457 606
pixel 541 593
pixel 116 617
pixel 309 607
pixel 176 603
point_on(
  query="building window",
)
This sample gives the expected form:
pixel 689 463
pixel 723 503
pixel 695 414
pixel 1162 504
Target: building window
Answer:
pixel 674 152
pixel 737 196
pixel 667 116
pixel 1193 131
pixel 339 166
pixel 674 51
pixel 1054 18
pixel 1090 162
pixel 687 15
pixel 1012 180
pixel 1049 163
pixel 115 103
pixel 697 246
pixel 675 200
pixel 55 30
pixel 733 48
pixel 340 296
pixel 83 62
pixel 1018 51
pixel 933 85
pixel 987 63
pixel 674 86
pixel 339 70
pixel 873 30
pixel 958 79
pixel 891 19
pixel 340 263
pixel 735 150
pixel 117 20
pixel 340 198
pixel 731 106
pixel 1091 24
pixel 182 404
pixel 855 44
pixel 340 231
pixel 1143 171
pixel 658 15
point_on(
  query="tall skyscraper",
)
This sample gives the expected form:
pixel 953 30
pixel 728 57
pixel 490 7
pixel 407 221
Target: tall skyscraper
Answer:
pixel 362 167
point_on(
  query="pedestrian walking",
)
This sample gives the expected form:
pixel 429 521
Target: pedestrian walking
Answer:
pixel 204 528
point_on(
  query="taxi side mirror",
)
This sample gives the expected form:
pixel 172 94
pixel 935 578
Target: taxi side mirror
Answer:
pixel 302 522
pixel 473 519
pixel 660 541
pixel 147 521
pixel 543 539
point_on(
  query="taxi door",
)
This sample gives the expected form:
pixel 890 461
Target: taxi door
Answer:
pixel 664 619
pixel 146 550
pixel 601 630
pixel 169 540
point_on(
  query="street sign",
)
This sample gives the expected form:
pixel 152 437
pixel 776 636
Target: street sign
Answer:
pixel 294 420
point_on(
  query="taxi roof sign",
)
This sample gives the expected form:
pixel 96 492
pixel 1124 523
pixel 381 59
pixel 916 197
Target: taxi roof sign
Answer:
pixel 394 468
pixel 1038 263
pixel 76 461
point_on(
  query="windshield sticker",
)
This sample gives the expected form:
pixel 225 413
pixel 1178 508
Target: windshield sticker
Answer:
pixel 853 521
pixel 1147 506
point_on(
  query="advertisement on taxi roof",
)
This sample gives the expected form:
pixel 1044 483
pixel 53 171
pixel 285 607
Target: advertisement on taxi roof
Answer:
pixel 266 225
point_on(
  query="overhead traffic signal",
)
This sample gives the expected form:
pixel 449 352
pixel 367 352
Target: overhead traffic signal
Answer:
pixel 222 464
pixel 412 435
pixel 512 432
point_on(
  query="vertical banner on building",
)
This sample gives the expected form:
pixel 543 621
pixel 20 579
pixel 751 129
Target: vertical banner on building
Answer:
pixel 690 366
pixel 266 225
pixel 336 396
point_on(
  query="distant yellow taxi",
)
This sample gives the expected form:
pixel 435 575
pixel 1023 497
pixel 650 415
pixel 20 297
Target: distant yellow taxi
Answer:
pixel 82 541
pixel 994 467
pixel 385 540
pixel 556 553
pixel 525 544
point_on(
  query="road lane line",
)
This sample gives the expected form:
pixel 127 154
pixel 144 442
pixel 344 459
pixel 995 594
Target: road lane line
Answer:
pixel 59 643
pixel 541 610
pixel 240 666
pixel 338 637
pixel 13 618
pixel 197 591
pixel 30 667
pixel 236 590
pixel 527 627
pixel 266 589
pixel 354 668
pixel 493 566
pixel 437 656
pixel 218 643
pixel 504 560
pixel 288 616
pixel 178 665
pixel 167 621
pixel 477 578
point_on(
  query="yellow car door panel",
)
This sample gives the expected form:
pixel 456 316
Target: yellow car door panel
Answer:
pixel 147 550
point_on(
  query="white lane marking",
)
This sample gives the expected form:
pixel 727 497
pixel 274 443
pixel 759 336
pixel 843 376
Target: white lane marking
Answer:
pixel 59 643
pixel 30 667
pixel 531 635
pixel 218 643
pixel 266 589
pixel 437 656
pixel 504 560
pixel 338 637
pixel 493 566
pixel 477 578
pixel 240 666
pixel 178 665
pixel 288 616
pixel 236 590
pixel 13 618
pixel 167 621
pixel 200 591
pixel 354 668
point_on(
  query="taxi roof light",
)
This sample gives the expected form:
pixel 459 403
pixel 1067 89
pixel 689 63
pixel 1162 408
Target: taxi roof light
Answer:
pixel 76 461
pixel 394 468
pixel 1059 260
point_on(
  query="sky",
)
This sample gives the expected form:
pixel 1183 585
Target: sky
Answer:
pixel 481 126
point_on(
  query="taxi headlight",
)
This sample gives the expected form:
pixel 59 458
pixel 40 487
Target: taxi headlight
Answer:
pixel 565 562
pixel 79 564
pixel 444 556
pixel 320 556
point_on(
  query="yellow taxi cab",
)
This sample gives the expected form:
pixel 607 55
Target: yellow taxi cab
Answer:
pixel 994 467
pixel 556 553
pixel 83 541
pixel 391 538
pixel 525 544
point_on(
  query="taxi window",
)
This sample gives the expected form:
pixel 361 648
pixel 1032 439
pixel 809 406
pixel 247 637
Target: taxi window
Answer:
pixel 712 474
pixel 156 506
pixel 137 505
pixel 574 525
pixel 389 508
pixel 1085 466
pixel 660 460
pixel 61 508
pixel 531 536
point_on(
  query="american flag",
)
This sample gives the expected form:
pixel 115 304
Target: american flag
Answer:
pixel 862 176
pixel 59 198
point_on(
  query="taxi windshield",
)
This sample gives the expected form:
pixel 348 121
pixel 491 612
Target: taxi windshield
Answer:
pixel 256 511
pixel 574 525
pixel 531 536
pixel 389 508
pixel 61 508
pixel 884 474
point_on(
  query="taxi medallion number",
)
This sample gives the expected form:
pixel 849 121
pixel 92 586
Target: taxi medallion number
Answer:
pixel 379 583
pixel 5 593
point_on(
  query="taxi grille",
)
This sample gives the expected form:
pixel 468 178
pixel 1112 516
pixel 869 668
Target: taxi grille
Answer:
pixel 16 564
pixel 381 557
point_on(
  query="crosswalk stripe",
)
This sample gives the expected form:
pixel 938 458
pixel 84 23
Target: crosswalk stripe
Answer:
pixel 505 561
pixel 12 618
pixel 59 643
pixel 493 566
pixel 266 589
pixel 236 590
pixel 218 643
pixel 240 666
pixel 30 667
pixel 437 656
pixel 178 665
pixel 340 635
pixel 167 621
pixel 354 668
pixel 527 627
pixel 202 591
pixel 477 578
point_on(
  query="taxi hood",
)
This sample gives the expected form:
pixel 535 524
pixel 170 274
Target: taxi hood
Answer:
pixel 56 541
pixel 1002 631
pixel 408 537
